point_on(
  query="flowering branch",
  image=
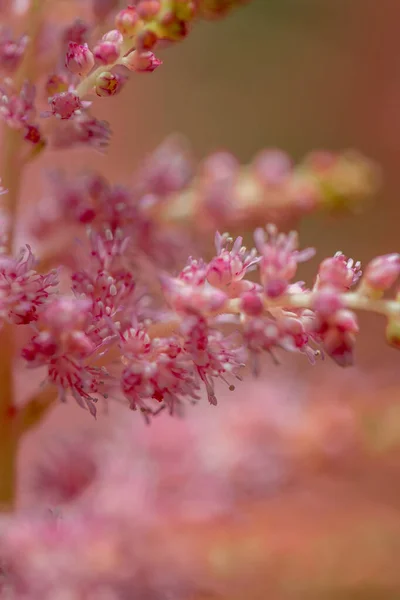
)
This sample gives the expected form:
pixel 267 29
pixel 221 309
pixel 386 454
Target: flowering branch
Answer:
pixel 127 329
pixel 133 319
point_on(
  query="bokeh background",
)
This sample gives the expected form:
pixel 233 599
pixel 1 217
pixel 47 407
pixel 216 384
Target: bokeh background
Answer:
pixel 299 75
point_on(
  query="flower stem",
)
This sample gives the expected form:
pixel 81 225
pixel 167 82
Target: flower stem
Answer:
pixel 88 83
pixel 8 437
pixel 12 179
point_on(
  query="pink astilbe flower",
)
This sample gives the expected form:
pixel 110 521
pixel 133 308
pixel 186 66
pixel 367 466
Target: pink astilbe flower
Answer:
pixel 337 334
pixel 230 265
pixel 188 298
pixel 81 130
pixel 279 259
pixel 287 331
pixel 11 51
pixel 381 273
pixel 23 291
pixel 129 319
pixel 79 59
pixel 143 62
pixel 156 371
pixel 195 272
pixel 107 52
pixel 17 108
pixel 339 272
pixel 214 354
pixel 63 345
pixel 66 105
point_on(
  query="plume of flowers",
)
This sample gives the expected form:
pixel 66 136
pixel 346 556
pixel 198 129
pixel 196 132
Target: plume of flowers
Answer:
pixel 137 311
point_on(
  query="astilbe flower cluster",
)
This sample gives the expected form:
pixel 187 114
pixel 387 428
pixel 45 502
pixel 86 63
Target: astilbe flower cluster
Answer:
pixel 121 314
pixel 108 338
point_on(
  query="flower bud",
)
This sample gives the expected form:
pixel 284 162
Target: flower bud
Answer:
pixel 141 63
pixel 107 53
pixel 382 272
pixel 251 304
pixel 109 84
pixel 79 59
pixel 114 36
pixel 127 21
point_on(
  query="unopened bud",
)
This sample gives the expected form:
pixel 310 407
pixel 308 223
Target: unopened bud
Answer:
pixel 109 84
pixel 251 304
pixel 114 36
pixel 127 21
pixel 382 272
pixel 141 62
pixel 107 52
pixel 79 59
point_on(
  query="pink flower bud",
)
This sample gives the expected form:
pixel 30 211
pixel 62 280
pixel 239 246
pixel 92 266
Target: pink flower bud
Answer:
pixel 109 84
pixel 340 347
pixel 127 21
pixel 346 320
pixel 79 59
pixel 148 9
pixel 339 271
pixel 144 62
pixel 382 272
pixel 192 298
pixel 107 53
pixel 251 304
pixel 114 36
